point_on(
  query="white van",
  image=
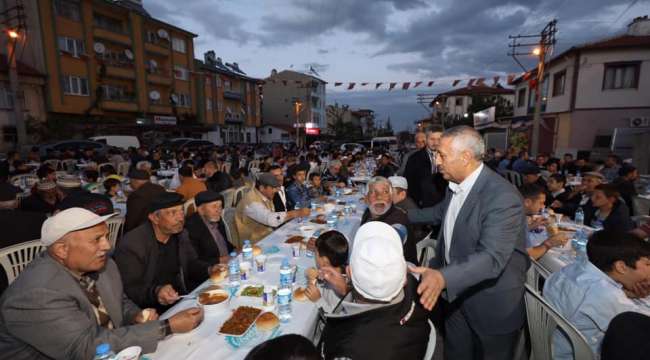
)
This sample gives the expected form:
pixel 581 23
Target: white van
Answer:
pixel 389 142
pixel 120 141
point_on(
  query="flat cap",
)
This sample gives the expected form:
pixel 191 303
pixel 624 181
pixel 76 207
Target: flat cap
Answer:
pixel 207 196
pixel 268 180
pixel 165 200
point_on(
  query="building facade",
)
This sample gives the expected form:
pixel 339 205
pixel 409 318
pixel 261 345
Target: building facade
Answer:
pixel 455 104
pixel 590 90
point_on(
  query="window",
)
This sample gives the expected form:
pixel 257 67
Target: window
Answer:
pixel 68 9
pixel 178 44
pixel 154 38
pixel 521 98
pixel 181 73
pixel 208 104
pixel 108 23
pixel 72 46
pixel 117 93
pixel 621 76
pixel 558 83
pixel 6 99
pixel 227 84
pixel 459 101
pixel 184 100
pixel 75 85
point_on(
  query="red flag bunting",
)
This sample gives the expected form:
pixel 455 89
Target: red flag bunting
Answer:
pixel 430 84
pixel 496 81
pixel 391 86
pixel 338 83
pixel 377 85
pixel 364 84
pixel 417 83
pixel 405 86
pixel 455 83
pixel 471 82
pixel 351 86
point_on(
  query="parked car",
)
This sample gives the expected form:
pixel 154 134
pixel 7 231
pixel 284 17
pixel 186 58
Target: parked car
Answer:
pixel 120 141
pixel 353 147
pixel 74 145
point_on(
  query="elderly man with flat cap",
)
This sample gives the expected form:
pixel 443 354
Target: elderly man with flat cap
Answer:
pixel 138 201
pixel 256 216
pixel 207 233
pixel 70 298
pixel 154 258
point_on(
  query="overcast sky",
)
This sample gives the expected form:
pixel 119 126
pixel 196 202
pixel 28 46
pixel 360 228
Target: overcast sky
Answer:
pixel 386 41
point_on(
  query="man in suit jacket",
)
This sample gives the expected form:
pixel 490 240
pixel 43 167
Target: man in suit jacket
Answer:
pixel 69 299
pixel 481 259
pixel 207 233
pixel 138 201
pixel 425 184
pixel 280 197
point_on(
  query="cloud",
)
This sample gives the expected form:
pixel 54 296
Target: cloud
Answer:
pixel 320 68
pixel 322 51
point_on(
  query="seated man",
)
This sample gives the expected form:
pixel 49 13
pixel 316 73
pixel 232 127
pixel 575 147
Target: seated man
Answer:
pixel 69 299
pixel 255 216
pixel 556 189
pixel 72 195
pixel 332 175
pixel 580 197
pixel 280 201
pixel 154 258
pixel 315 187
pixel 43 200
pixel 538 243
pixel 380 317
pixel 297 192
pixel 207 233
pixel 625 183
pixel 190 186
pixel 611 212
pixel 400 193
pixel 137 203
pixel 380 208
pixel 590 293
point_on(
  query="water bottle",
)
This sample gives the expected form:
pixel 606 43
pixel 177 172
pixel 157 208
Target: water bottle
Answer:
pixel 308 252
pixel 247 252
pixel 104 352
pixel 284 304
pixel 580 216
pixel 233 269
pixel 286 275
pixel 297 207
pixel 545 214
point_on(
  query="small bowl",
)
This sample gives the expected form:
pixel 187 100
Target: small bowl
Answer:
pixel 217 306
pixel 130 353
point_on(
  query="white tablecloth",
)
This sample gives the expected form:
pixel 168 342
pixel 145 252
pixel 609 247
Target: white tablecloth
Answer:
pixel 205 343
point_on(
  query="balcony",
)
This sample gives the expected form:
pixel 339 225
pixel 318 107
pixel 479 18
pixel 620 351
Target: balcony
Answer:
pixel 232 95
pixel 160 108
pixel 119 105
pixel 159 48
pixel 112 36
pixel 159 76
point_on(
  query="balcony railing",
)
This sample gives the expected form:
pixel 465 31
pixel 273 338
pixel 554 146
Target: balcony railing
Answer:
pixel 232 95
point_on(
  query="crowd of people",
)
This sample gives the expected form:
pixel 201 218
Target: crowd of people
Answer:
pixel 449 188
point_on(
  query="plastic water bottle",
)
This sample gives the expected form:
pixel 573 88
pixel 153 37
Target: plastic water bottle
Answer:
pixel 284 304
pixel 233 269
pixel 247 252
pixel 579 243
pixel 104 352
pixel 286 276
pixel 297 207
pixel 308 252
pixel 580 216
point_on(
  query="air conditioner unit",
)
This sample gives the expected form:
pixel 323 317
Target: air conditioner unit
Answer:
pixel 637 122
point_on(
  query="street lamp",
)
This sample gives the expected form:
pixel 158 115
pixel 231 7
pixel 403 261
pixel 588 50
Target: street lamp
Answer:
pixel 537 51
pixel 13 34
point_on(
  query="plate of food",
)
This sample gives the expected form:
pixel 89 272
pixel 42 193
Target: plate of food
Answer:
pixel 240 322
pixel 320 219
pixel 252 290
pixel 267 326
pixel 294 239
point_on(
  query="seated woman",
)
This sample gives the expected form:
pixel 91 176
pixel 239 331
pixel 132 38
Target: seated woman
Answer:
pixel 611 213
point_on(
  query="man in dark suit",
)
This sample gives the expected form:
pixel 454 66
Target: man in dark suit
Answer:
pixel 207 234
pixel 426 186
pixel 138 201
pixel 481 260
pixel 280 197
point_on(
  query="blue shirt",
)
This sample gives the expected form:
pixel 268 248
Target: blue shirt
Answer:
pixel 297 194
pixel 589 299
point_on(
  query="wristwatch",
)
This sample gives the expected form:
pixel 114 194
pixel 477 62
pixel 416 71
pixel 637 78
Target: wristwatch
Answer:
pixel 166 327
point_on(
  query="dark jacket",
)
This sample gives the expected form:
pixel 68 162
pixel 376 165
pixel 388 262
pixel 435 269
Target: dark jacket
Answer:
pixel 278 204
pixel 393 332
pixel 137 205
pixel 35 203
pixel 207 252
pixel 219 182
pixel 628 192
pixel 618 219
pixel 396 215
pixel 563 197
pixel 136 256
pixel 425 188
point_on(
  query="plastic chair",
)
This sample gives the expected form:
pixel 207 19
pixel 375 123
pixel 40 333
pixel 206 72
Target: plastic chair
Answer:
pixel 25 181
pixel 53 163
pixel 189 207
pixel 431 346
pixel 254 164
pixel 115 229
pixel 16 257
pixel 123 168
pixel 69 165
pixel 514 177
pixel 100 166
pixel 426 250
pixel 231 228
pixel 543 322
pixel 536 276
pixel 239 194
pixel 228 197
pixel 226 167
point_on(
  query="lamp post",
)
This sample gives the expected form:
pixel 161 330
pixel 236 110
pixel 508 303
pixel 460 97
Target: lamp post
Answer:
pixel 13 39
pixel 297 107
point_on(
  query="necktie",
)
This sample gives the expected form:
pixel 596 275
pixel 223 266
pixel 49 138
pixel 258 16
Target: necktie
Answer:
pixel 89 288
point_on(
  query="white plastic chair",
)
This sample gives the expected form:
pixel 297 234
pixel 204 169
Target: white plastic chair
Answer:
pixel 535 275
pixel 228 197
pixel 226 167
pixel 115 229
pixel 426 250
pixel 431 346
pixel 254 164
pixel 514 177
pixel 69 165
pixel 239 194
pixel 543 322
pixel 189 207
pixel 231 228
pixel 123 168
pixel 24 181
pixel 16 257
pixel 54 163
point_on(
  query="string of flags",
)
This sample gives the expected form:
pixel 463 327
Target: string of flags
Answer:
pixel 478 81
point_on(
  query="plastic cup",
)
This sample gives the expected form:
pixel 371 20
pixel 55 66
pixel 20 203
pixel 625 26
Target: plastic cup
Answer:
pixel 268 296
pixel 260 262
pixel 245 269
pixel 296 250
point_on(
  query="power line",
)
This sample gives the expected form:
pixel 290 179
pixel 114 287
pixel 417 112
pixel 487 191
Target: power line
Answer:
pixel 626 9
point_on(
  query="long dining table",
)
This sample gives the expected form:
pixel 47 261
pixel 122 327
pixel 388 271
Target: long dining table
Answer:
pixel 205 342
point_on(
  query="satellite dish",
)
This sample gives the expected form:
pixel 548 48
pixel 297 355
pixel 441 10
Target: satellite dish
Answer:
pixel 99 48
pixel 162 33
pixel 174 98
pixel 153 64
pixel 129 54
pixel 154 95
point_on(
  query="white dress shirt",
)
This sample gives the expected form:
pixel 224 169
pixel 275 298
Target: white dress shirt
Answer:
pixel 460 192
pixel 260 213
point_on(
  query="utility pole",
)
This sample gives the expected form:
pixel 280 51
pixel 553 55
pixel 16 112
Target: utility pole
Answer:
pixel 542 48
pixel 13 22
pixel 297 108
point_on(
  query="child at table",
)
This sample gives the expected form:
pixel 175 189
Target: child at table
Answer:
pixel 537 244
pixel 331 254
pixel 315 186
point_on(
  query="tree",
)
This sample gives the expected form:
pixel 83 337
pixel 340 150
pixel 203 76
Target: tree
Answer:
pixel 337 125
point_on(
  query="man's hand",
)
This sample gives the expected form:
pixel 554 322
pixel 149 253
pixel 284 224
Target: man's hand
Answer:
pixel 557 240
pixel 224 259
pixel 312 293
pixel 146 315
pixel 556 204
pixel 167 295
pixel 336 280
pixel 639 290
pixel 304 212
pixel 431 285
pixel 186 320
pixel 536 221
